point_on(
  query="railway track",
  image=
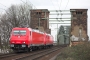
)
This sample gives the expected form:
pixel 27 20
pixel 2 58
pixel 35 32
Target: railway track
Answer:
pixel 45 53
pixel 39 55
pixel 30 55
pixel 7 55
pixel 16 55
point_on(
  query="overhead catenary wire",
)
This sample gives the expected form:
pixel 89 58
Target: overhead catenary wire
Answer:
pixel 32 4
pixel 59 8
pixel 53 5
pixel 66 4
pixel 60 12
pixel 58 4
pixel 29 2
pixel 3 5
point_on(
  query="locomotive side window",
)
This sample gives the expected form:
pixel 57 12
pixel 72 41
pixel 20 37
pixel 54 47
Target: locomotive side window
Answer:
pixel 19 32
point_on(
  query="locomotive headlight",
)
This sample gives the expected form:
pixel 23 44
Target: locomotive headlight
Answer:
pixel 12 45
pixel 23 42
pixel 23 45
pixel 13 42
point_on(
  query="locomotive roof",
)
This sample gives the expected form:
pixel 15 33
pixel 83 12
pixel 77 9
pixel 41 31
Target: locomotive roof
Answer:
pixel 30 29
pixel 34 30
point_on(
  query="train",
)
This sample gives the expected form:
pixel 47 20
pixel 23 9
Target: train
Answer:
pixel 28 39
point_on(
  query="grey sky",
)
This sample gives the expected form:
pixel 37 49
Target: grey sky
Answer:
pixel 53 5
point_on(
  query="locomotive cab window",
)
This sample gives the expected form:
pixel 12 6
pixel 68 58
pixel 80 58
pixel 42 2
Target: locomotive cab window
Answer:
pixel 19 32
pixel 16 32
pixel 23 32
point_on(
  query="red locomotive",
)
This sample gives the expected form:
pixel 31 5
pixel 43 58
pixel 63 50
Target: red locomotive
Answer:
pixel 29 39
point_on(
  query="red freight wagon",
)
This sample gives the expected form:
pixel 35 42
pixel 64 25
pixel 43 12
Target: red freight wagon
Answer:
pixel 29 39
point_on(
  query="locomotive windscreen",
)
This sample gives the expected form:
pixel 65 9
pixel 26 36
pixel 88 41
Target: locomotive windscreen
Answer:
pixel 19 32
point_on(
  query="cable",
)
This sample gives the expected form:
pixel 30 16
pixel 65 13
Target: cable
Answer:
pixel 56 11
pixel 60 4
pixel 59 9
pixel 52 4
pixel 66 4
pixel 23 1
pixel 55 8
pixel 3 5
pixel 30 3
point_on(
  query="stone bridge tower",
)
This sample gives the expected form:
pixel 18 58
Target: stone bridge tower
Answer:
pixel 79 25
pixel 39 20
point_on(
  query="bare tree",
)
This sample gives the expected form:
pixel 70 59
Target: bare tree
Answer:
pixel 19 15
pixel 15 16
